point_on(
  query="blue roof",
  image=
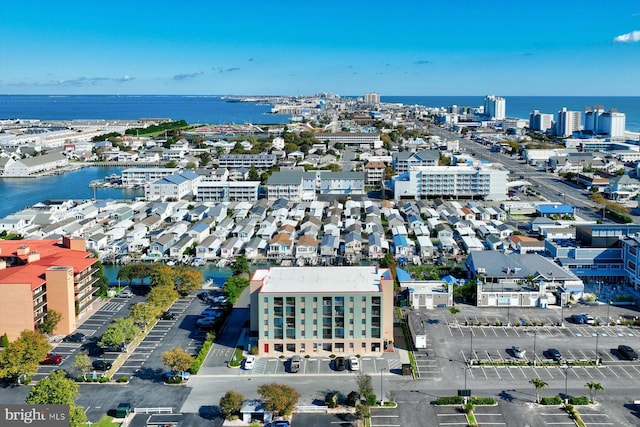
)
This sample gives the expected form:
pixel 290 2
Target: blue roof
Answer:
pixel 399 240
pixel 402 275
pixel 555 209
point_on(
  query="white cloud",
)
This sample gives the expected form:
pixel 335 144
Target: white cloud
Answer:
pixel 633 36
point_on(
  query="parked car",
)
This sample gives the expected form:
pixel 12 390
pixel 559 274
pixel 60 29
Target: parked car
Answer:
pixel 219 299
pixel 125 293
pixel 206 322
pixel 339 363
pixel 589 319
pixel 114 348
pixel 77 337
pixel 52 359
pixel 281 423
pixel 249 362
pixel 210 312
pixel 294 364
pixel 203 295
pixel 101 365
pixel 184 375
pixel 123 410
pixel 169 315
pixel 578 319
pixel 555 354
pixel 518 351
pixel 627 352
pixel 354 364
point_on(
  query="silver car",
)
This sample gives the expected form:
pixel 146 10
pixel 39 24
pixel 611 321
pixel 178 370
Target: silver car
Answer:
pixel 518 351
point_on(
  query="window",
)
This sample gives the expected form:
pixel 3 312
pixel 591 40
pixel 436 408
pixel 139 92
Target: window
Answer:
pixel 278 347
pixel 291 347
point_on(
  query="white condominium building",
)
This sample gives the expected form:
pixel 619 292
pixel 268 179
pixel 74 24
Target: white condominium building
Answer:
pixel 540 121
pixel 485 181
pixel 495 107
pixel 141 176
pixel 568 122
pixel 372 98
pixel 602 122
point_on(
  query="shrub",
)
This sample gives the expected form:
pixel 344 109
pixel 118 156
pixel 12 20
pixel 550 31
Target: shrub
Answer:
pixel 449 400
pixel 579 400
pixel 199 360
pixel 123 379
pixel 174 380
pixel 371 399
pixel 331 399
pixel 104 379
pixel 80 379
pixel 551 400
pixel 307 356
pixel 482 400
pixel 332 356
pixel 353 398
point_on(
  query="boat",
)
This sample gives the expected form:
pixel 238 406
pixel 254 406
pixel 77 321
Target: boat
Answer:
pixel 221 263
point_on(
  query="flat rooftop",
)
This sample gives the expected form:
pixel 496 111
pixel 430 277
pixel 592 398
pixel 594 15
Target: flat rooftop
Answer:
pixel 321 279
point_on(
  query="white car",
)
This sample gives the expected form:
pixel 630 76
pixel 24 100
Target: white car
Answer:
pixel 249 362
pixel 125 293
pixel 518 352
pixel 354 364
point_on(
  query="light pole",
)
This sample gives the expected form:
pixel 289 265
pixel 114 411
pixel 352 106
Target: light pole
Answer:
pixel 509 313
pixel 471 348
pixel 608 308
pixel 535 334
pixel 597 336
pixel 566 376
pixel 381 387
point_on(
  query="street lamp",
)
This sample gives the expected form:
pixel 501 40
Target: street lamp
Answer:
pixel 566 376
pixel 381 387
pixel 465 373
pixel 535 334
pixel 597 336
pixel 471 348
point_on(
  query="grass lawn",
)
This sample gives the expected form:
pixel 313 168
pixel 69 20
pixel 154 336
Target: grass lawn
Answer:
pixel 105 421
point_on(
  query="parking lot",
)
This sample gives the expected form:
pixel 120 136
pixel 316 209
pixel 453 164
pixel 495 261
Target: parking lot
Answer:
pixel 323 366
pixel 454 415
pixel 92 328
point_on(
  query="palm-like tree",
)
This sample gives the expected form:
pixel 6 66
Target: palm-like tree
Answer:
pixel 593 387
pixel 538 384
pixel 454 311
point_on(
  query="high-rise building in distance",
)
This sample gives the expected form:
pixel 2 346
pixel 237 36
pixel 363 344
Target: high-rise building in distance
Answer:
pixel 495 107
pixel 568 122
pixel 600 122
pixel 372 98
pixel 540 121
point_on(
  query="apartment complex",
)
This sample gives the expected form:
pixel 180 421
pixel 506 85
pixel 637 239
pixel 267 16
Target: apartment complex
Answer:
pixel 495 107
pixel 142 176
pixel 226 191
pixel 402 161
pixel 305 186
pixel 568 122
pixel 322 310
pixel 41 275
pixel 486 181
pixel 260 161
pixel 540 121
pixel 601 122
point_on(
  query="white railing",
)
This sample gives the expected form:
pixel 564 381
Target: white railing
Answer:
pixel 312 408
pixel 165 410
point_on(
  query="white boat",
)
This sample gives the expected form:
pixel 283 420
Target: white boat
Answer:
pixel 221 263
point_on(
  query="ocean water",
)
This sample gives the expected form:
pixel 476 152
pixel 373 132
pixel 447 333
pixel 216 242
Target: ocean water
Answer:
pixel 216 109
pixel 193 109
pixel 521 106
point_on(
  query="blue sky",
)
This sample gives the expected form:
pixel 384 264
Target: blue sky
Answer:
pixel 420 47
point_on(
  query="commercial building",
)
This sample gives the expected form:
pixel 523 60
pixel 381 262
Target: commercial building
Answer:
pixel 33 165
pixel 371 140
pixel 322 310
pixel 41 275
pixel 485 181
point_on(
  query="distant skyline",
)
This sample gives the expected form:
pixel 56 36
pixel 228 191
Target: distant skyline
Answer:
pixel 549 48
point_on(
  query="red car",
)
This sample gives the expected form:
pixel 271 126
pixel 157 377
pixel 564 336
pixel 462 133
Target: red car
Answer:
pixel 52 359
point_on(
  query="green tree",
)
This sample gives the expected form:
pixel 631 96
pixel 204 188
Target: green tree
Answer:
pixel 234 286
pixel 279 398
pixel 144 313
pixel 231 403
pixel 162 296
pixel 23 355
pixel 57 389
pixel 593 387
pixel 121 330
pixel 51 320
pixel 162 275
pixel 171 164
pixel 363 412
pixel 241 267
pixel 187 279
pixel 538 384
pixel 4 340
pixel 205 158
pixel 454 311
pixel 82 363
pixel 253 174
pixel 365 386
pixel 177 359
